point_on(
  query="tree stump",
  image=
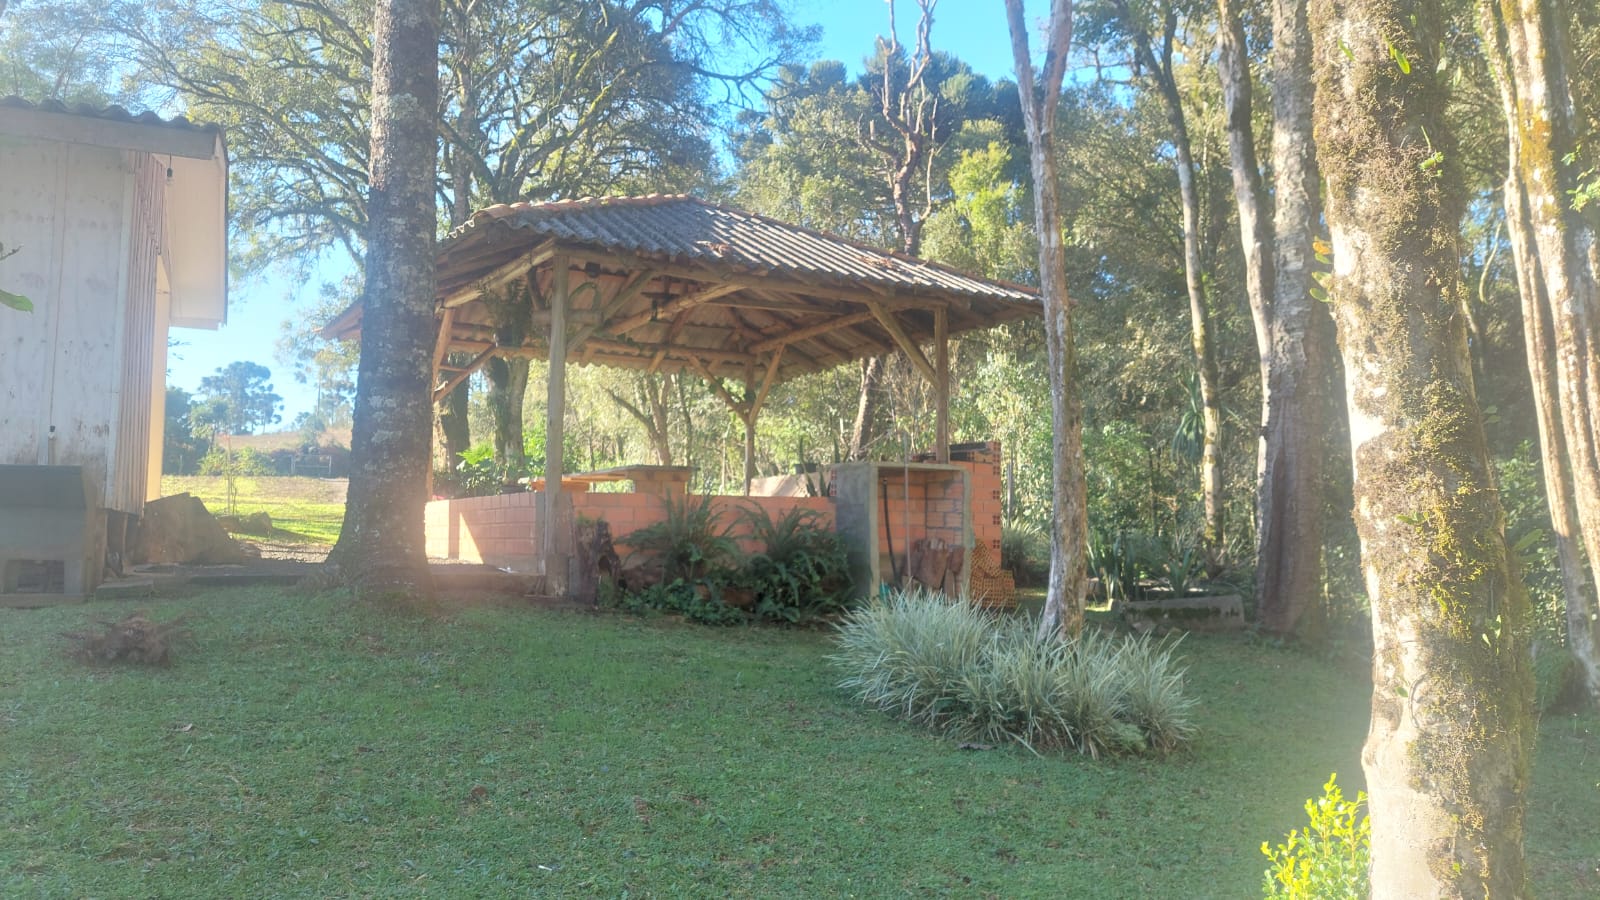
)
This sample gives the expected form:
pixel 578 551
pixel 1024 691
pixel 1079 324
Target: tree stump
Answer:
pixel 596 558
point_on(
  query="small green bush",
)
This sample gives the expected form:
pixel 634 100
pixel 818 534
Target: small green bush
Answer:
pixel 948 665
pixel 1329 860
pixel 802 571
pixel 700 602
pixel 690 542
pixel 243 462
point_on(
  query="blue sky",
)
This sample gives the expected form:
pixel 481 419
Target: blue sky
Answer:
pixel 974 30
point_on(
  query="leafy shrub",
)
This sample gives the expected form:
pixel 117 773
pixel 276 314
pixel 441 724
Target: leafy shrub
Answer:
pixel 246 461
pixel 1555 676
pixel 1025 549
pixel 1121 561
pixel 690 542
pixel 947 665
pixel 700 602
pixel 803 570
pixel 1329 859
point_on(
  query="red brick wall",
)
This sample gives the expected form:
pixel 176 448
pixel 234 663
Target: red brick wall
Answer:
pixel 500 530
pixel 983 468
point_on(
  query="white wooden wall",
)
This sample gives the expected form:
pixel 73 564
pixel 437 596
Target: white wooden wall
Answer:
pixel 82 360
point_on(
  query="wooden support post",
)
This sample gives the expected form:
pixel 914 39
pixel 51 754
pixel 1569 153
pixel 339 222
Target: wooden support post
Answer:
pixel 757 399
pixel 749 450
pixel 441 347
pixel 941 383
pixel 555 561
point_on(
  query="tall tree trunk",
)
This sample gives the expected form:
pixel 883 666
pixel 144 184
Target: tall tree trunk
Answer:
pixel 1448 751
pixel 1294 334
pixel 508 386
pixel 1556 276
pixel 1160 71
pixel 381 545
pixel 454 433
pixel 861 430
pixel 651 411
pixel 1069 524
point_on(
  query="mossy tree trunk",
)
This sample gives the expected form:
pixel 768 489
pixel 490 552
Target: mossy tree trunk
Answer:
pixel 1448 751
pixel 508 390
pixel 381 545
pixel 1556 276
pixel 1069 523
pixel 1294 333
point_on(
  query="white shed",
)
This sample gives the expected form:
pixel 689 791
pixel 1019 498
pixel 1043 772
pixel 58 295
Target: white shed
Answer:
pixel 120 226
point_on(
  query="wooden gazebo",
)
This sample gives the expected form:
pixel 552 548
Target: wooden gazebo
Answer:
pixel 674 283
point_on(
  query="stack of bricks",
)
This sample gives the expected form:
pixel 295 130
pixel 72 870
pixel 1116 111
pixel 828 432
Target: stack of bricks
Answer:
pixel 991 587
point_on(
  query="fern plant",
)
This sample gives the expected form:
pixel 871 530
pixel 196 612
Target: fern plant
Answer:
pixel 690 542
pixel 802 570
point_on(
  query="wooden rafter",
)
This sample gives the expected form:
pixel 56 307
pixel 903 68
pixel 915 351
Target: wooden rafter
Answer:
pixel 908 346
pixel 442 390
pixel 811 331
pixel 672 308
pixel 503 275
pixel 627 291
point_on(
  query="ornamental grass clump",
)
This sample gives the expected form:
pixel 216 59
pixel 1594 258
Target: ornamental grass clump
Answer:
pixel 948 665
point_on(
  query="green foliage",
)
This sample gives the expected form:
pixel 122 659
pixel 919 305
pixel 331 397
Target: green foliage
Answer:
pixel 1121 561
pixel 1531 539
pixel 1555 676
pixel 244 462
pixel 697 601
pixel 802 571
pixel 8 299
pixel 1025 550
pixel 184 441
pixel 1329 859
pixel 689 542
pixel 949 666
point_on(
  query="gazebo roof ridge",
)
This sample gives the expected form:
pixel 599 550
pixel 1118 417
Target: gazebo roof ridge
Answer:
pixel 779 245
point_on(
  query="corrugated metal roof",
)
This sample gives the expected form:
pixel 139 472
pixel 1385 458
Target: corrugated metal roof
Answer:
pixel 111 113
pixel 689 230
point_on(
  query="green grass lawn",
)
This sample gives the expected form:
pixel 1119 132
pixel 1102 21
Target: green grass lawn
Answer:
pixel 303 510
pixel 305 746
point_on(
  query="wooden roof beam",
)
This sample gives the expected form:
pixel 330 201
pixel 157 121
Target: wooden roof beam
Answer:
pixel 811 331
pixel 673 308
pixel 440 392
pixel 908 346
pixel 503 275
pixel 625 292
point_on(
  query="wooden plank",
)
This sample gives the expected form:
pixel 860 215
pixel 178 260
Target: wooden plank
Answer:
pixel 908 346
pixel 503 275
